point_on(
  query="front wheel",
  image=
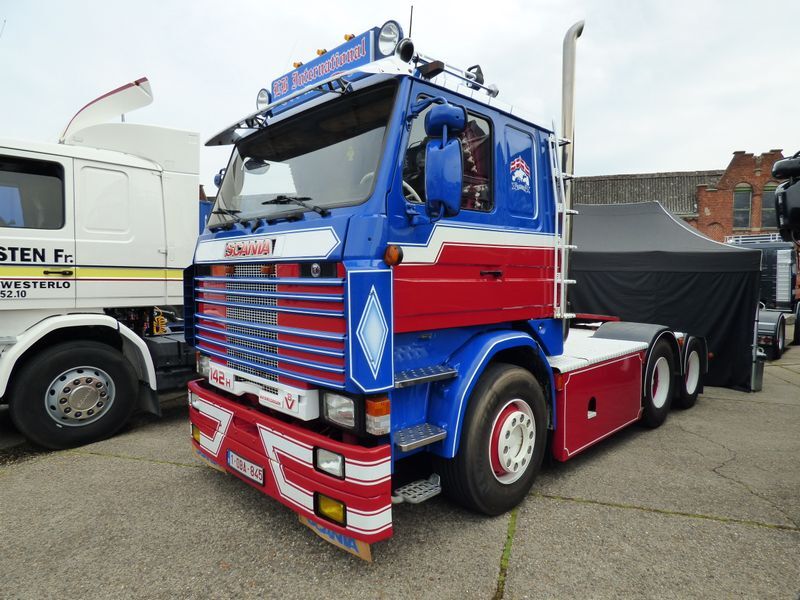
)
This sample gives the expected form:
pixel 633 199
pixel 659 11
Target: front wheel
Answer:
pixel 72 394
pixel 502 442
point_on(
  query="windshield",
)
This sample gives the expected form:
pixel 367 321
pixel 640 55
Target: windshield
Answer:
pixel 324 157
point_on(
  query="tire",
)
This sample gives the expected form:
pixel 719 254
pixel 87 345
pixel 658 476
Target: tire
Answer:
pixel 659 384
pixel 506 404
pixel 796 336
pixel 94 409
pixel 692 378
pixel 775 350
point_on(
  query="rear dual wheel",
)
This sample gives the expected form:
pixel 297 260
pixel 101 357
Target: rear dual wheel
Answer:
pixel 502 442
pixel 659 384
pixel 692 375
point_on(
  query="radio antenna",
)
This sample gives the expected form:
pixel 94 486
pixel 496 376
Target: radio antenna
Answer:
pixel 411 20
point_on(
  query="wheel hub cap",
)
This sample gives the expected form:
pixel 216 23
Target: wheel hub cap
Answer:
pixel 512 441
pixel 79 396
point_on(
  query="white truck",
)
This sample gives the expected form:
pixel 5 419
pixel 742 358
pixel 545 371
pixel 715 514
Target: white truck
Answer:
pixel 95 232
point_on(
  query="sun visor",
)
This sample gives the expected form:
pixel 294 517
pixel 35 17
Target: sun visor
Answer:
pixel 111 105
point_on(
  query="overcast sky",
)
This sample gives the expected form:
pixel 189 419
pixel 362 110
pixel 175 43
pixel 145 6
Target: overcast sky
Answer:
pixel 662 85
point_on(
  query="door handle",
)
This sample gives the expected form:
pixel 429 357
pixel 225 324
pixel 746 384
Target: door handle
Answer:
pixel 63 272
pixel 496 273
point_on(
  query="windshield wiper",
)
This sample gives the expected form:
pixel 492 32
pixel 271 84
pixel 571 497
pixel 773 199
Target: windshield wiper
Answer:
pixel 300 201
pixel 231 212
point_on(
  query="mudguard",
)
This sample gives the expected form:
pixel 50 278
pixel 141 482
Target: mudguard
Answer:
pixel 448 401
pixel 768 321
pixel 642 332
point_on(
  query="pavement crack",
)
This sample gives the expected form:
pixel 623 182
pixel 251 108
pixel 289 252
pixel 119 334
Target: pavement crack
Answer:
pixel 500 590
pixel 670 513
pixel 718 471
pixel 134 458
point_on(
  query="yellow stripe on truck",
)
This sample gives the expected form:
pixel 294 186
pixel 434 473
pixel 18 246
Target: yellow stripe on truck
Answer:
pixel 90 273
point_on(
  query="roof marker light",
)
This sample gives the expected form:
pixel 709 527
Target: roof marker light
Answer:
pixel 321 51
pixel 348 37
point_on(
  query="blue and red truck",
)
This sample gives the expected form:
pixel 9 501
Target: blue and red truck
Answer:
pixel 383 283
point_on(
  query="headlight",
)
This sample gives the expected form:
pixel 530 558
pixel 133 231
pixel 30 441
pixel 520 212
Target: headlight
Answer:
pixel 388 37
pixel 329 462
pixel 340 410
pixel 203 365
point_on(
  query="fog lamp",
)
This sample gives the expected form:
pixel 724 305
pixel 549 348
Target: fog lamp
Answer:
pixel 329 462
pixel 340 410
pixel 331 509
pixel 388 37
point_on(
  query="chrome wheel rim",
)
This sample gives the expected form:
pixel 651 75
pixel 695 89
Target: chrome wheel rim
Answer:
pixel 512 441
pixel 79 396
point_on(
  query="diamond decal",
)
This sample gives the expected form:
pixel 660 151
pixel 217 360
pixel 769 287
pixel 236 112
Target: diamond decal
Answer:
pixel 372 332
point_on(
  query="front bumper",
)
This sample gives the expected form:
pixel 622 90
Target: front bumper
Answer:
pixel 286 452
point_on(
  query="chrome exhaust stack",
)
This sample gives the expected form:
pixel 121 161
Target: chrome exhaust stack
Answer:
pixel 568 110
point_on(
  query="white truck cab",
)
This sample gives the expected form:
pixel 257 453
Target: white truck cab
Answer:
pixel 95 232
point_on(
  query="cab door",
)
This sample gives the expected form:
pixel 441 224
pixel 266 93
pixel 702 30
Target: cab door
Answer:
pixel 37 232
pixel 120 238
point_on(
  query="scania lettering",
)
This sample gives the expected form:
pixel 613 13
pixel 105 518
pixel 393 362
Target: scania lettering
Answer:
pixel 408 332
pixel 94 235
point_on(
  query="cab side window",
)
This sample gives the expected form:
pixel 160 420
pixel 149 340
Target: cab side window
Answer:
pixel 476 146
pixel 31 193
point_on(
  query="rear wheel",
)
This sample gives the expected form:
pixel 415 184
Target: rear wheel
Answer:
pixel 72 394
pixel 692 376
pixel 502 442
pixel 775 351
pixel 658 386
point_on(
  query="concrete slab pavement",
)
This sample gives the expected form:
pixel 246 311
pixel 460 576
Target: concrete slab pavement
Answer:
pixel 707 505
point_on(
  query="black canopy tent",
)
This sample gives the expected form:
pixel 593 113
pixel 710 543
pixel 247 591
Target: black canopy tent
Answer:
pixel 640 263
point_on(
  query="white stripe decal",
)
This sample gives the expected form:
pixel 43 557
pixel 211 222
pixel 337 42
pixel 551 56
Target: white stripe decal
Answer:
pixel 445 234
pixel 216 413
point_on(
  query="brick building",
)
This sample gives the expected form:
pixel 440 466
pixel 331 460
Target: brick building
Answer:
pixel 736 201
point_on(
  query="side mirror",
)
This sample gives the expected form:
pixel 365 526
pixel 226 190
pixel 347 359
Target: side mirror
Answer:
pixel 443 160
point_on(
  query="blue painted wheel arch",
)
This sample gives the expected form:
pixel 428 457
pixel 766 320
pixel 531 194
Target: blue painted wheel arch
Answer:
pixel 449 400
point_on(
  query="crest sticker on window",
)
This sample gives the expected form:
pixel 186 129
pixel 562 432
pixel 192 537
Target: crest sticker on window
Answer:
pixel 520 175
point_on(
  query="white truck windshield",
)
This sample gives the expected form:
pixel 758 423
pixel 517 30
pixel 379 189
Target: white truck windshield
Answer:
pixel 327 157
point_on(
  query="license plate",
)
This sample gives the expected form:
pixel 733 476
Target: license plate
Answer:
pixel 243 466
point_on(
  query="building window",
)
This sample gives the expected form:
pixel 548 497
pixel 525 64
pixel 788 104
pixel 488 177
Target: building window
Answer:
pixel 768 219
pixel 742 198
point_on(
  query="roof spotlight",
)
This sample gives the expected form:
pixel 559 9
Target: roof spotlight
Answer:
pixel 262 99
pixel 405 49
pixel 388 36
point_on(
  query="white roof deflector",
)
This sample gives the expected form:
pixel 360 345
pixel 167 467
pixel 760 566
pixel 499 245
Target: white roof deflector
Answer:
pixel 111 105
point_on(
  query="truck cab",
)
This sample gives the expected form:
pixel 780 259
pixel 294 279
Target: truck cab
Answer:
pixel 96 231
pixel 383 277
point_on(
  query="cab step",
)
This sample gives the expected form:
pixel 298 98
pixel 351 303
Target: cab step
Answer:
pixel 418 491
pixel 423 375
pixel 417 436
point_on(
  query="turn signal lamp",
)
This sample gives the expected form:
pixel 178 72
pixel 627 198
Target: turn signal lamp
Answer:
pixel 331 509
pixel 559 381
pixel 195 433
pixel 378 411
pixel 393 255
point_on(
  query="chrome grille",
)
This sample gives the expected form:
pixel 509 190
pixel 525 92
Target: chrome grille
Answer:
pixel 250 284
pixel 263 317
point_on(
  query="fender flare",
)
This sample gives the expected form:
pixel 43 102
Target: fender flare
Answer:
pixel 449 399
pixel 133 347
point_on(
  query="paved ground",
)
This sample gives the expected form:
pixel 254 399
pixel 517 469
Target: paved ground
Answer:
pixel 706 506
